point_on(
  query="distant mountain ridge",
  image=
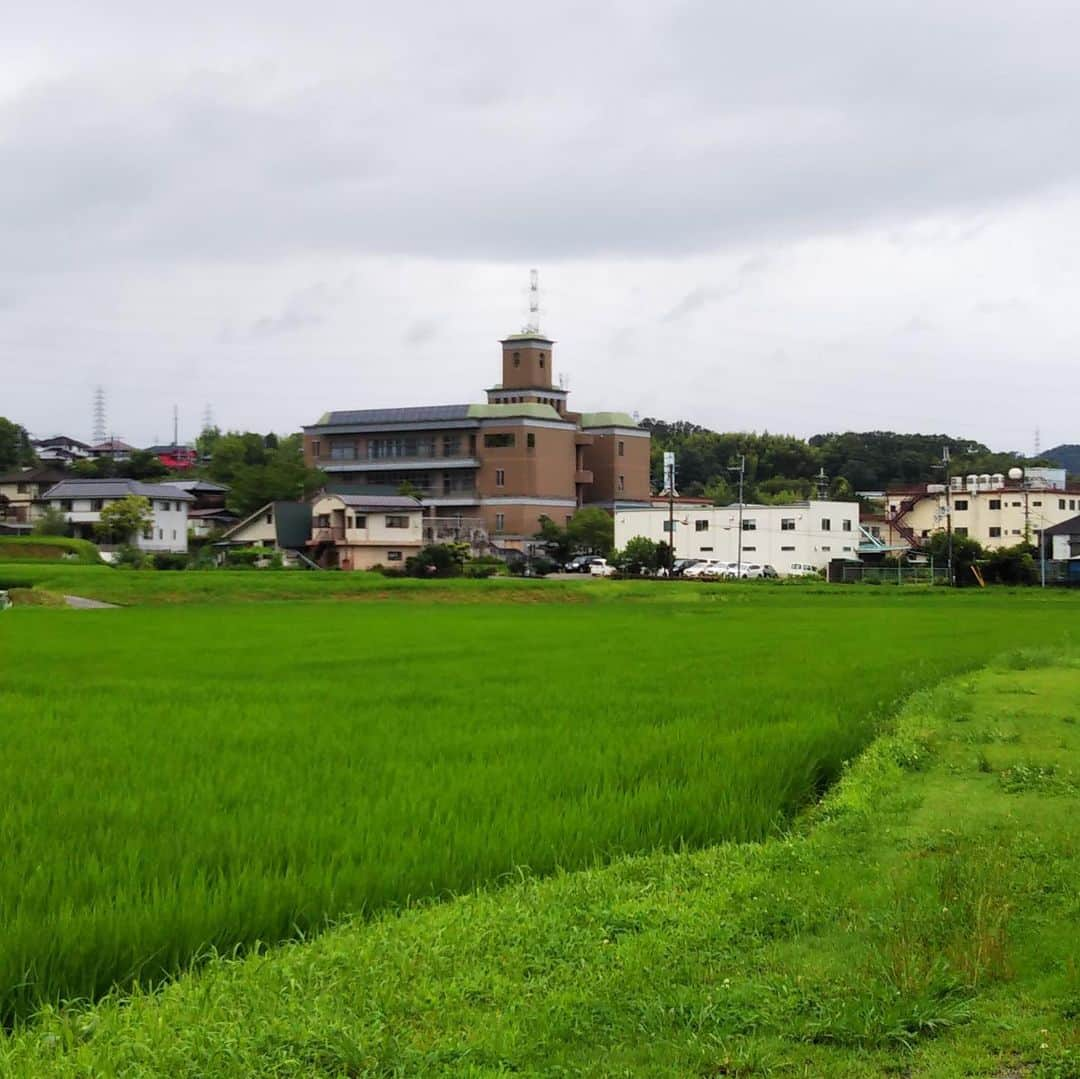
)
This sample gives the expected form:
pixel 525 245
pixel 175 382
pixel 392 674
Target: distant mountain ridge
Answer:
pixel 1066 456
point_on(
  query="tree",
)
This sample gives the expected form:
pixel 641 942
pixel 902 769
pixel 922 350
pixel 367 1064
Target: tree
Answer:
pixel 15 448
pixel 125 519
pixel 51 523
pixel 639 554
pixel 143 465
pixel 592 530
pixel 555 540
pixel 965 553
pixel 260 470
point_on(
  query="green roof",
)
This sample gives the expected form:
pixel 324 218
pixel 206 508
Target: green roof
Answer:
pixel 531 410
pixel 607 419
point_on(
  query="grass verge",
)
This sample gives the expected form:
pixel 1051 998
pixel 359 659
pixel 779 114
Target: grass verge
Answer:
pixel 48 549
pixel 921 921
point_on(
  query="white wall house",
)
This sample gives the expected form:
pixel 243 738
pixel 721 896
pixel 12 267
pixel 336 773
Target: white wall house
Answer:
pixel 801 533
pixel 81 503
pixel 361 531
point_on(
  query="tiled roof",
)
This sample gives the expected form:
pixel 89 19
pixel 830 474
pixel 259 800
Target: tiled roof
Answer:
pixel 379 502
pixel 115 489
pixel 34 475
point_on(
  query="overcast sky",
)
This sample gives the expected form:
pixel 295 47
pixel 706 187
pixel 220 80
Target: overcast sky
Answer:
pixel 788 216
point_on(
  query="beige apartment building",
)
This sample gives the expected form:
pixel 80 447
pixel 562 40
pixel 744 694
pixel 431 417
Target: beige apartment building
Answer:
pixel 996 510
pixel 491 469
pixel 361 531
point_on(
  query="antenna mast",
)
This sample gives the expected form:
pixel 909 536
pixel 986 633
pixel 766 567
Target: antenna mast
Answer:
pixel 534 302
pixel 100 430
pixel 175 426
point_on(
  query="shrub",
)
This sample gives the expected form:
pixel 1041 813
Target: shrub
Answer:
pixel 437 560
pixel 52 523
pixel 170 560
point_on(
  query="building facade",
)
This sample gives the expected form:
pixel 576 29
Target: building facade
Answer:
pixel 798 534
pixel 353 532
pixel 81 503
pixel 501 465
pixel 996 510
pixel 22 493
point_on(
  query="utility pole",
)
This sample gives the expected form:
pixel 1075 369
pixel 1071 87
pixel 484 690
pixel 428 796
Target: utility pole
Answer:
pixel 669 483
pixel 741 469
pixel 945 459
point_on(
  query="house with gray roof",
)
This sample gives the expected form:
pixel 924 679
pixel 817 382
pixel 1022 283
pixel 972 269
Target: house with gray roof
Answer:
pixel 277 526
pixel 81 502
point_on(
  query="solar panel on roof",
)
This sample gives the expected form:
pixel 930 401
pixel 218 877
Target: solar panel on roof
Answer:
pixel 422 414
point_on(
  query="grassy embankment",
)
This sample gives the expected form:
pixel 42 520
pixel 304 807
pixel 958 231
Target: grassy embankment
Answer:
pixel 922 921
pixel 175 779
pixel 47 549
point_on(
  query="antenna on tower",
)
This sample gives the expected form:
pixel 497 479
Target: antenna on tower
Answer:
pixel 822 482
pixel 175 426
pixel 207 417
pixel 534 303
pixel 100 430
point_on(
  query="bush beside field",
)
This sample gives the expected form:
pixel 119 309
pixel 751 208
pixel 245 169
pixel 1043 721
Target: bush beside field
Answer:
pixel 920 921
pixel 47 548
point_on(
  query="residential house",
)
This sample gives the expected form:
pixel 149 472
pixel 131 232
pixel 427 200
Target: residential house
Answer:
pixel 279 526
pixel 498 466
pixel 176 458
pixel 81 503
pixel 809 533
pixel 114 448
pixel 360 531
pixel 1064 540
pixel 21 493
pixel 208 512
pixel 61 450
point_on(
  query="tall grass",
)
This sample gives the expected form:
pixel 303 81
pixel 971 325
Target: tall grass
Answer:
pixel 206 777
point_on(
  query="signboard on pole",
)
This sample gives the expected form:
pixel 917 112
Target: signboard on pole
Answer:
pixel 669 471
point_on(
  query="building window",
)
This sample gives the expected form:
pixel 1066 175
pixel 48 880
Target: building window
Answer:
pixel 472 445
pixel 174 533
pixel 622 448
pixel 749 548
pixel 500 522
pixel 749 524
pixel 517 359
pixel 500 477
pixel 1072 503
pixel 826 524
pixel 995 533
pixel 394 520
pixel 166 506
pixel 270 518
pixel 178 507
pixel 342 451
pixel 845 526
pixel 161 533
pixel 669 526
pixel 498 441
pixel 787 548
pixel 96 504
pixel 621 485
pixel 20 488
pixel 787 524
pixel 995 504
pixel 1018 504
pixel 1061 503
pixel 541 361
pixel 960 504
pixel 321 520
pixel 451 446
pixel 701 526
pixel 1036 503
pixel 393 556
pixel 846 548
pixel 65 505
pixel 961 531
pixel 361 521
pixel 826 548
pixel 530 441
pixel 703 549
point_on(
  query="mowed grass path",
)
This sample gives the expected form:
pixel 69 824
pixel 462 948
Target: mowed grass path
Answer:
pixel 179 779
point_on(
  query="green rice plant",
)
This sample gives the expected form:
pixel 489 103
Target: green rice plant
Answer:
pixel 182 780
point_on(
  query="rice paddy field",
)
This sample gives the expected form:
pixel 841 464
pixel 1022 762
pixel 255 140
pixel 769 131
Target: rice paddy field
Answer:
pixel 178 779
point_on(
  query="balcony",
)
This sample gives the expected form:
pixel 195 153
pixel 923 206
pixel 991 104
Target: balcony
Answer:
pixel 393 464
pixel 583 475
pixel 327 535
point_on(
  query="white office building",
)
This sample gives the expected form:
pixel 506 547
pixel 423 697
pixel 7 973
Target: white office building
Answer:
pixel 798 534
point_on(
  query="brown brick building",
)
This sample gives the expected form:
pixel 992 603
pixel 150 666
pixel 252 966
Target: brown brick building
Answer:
pixel 495 468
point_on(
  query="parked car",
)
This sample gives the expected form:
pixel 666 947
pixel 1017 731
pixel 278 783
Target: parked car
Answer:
pixel 720 569
pixel 802 569
pixel 599 567
pixel 682 565
pixel 751 570
pixel 701 568
pixel 580 563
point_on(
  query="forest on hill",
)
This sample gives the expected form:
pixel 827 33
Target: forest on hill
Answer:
pixel 783 468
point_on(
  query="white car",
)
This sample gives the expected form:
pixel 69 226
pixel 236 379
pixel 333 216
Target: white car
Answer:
pixel 707 567
pixel 802 569
pixel 601 568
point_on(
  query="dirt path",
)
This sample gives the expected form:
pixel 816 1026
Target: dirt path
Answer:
pixel 84 604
